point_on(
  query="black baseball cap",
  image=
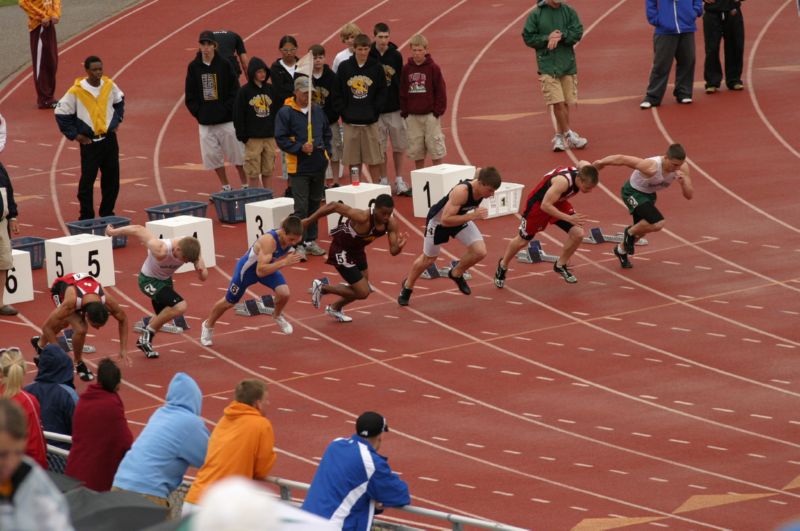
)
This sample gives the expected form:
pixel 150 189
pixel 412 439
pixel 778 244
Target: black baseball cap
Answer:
pixel 207 35
pixel 370 424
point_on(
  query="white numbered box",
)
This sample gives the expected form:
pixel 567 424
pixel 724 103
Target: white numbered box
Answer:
pixel 358 196
pixel 180 226
pixel 505 200
pixel 81 253
pixel 429 185
pixel 19 279
pixel 263 216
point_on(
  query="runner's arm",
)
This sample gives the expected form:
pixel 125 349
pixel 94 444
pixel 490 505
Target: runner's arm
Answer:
pixel 119 314
pixel 685 181
pixel 155 245
pixel 457 198
pixel 397 239
pixel 648 167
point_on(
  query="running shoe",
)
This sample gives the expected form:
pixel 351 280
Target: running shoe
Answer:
pixel 558 143
pixel 405 294
pixel 84 372
pixel 339 315
pixel 283 324
pixel 463 287
pixel 313 249
pixel 574 140
pixel 206 335
pixel 623 259
pixel 500 275
pixel 628 241
pixel 402 187
pixel 565 273
pixel 316 292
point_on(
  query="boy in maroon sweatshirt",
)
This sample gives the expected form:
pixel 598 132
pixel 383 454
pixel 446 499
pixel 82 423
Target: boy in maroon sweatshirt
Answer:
pixel 423 100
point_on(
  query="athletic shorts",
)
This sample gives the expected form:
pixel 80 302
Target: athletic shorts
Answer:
pixel 641 205
pixel 537 220
pixel 217 143
pixel 259 157
pixel 425 137
pixel 161 292
pixel 467 236
pixel 392 126
pixel 243 280
pixel 361 145
pixel 562 89
pixel 350 268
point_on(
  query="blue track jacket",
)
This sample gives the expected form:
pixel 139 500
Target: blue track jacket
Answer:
pixel 351 477
pixel 671 17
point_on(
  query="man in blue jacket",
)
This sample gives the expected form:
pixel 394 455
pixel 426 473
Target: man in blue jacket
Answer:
pixel 674 23
pixel 354 481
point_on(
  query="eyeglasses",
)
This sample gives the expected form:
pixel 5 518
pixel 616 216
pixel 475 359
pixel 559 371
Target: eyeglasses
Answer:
pixel 288 50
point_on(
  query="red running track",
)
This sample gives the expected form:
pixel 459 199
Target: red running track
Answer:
pixel 663 396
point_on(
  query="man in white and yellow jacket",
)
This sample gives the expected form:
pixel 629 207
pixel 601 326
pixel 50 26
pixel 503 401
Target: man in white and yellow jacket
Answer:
pixel 90 113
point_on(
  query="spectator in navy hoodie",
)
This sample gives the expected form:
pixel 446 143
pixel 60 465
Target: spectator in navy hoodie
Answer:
pixel 324 80
pixel 54 387
pixel 211 87
pixel 360 96
pixel 254 121
pixel 675 25
pixel 100 432
pixel 423 100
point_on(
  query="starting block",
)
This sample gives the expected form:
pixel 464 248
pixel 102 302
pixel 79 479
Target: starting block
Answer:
pixel 534 254
pixel 251 307
pixel 176 326
pixel 434 271
pixel 65 342
pixel 596 235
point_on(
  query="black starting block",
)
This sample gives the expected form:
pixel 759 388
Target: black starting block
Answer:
pixel 433 271
pixel 65 342
pixel 176 326
pixel 263 306
pixel 596 235
pixel 534 254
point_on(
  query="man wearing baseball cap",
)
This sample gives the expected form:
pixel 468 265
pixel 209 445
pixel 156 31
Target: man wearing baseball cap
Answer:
pixel 353 480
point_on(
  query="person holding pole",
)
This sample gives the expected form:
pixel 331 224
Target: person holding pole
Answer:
pixel 303 133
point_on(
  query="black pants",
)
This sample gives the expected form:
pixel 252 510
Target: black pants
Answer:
pixel 104 156
pixel 730 28
pixel 308 189
pixel 666 48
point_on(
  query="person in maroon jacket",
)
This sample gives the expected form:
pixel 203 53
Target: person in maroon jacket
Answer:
pixel 423 100
pixel 100 433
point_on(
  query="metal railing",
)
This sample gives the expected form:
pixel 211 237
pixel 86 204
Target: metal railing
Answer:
pixel 458 521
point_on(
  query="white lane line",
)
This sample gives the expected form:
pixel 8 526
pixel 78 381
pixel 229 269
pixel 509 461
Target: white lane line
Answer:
pixel 751 340
pixel 582 509
pixel 523 338
pixel 364 384
pixel 540 500
pixel 437 360
pixel 648 397
pixel 479 367
pixel 319 415
pixel 475 445
pixel 545 378
pixel 464 402
pixel 620 354
pixel 756 415
pixel 331 378
pixel 679 329
pixel 154 386
pixel 546 458
pixel 715 334
pixel 722 410
pixel 583 465
pixel 646 323
pixel 758 456
pixel 432 396
pixel 604 428
pixel 659 480
pixel 514 373
pixel 683 403
pixel 378 350
pixel 778 502
pixel 501 493
pixel 699 487
pixel 396 390
pixel 719 448
pixel 554 344
pixel 425 478
pixel 512 452
pixel 784 382
pixel 567 421
pixel 518 303
pixel 464 486
pixel 620 472
pixel 639 434
pixel 435 438
pixel 679 441
pixel 753 307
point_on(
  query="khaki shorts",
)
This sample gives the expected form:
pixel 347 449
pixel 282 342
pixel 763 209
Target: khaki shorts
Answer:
pixel 425 137
pixel 6 263
pixel 337 142
pixel 392 126
pixel 361 145
pixel 217 143
pixel 259 157
pixel 562 89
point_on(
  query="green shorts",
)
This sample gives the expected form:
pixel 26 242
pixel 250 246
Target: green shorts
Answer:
pixel 634 198
pixel 151 286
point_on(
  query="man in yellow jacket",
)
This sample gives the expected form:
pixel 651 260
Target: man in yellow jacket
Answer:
pixel 43 15
pixel 242 444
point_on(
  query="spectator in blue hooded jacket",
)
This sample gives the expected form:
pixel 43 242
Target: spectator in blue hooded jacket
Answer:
pixel 675 25
pixel 353 481
pixel 54 387
pixel 174 439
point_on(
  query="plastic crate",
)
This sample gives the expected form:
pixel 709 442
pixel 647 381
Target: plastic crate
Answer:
pixel 178 208
pixel 33 245
pixel 230 205
pixel 98 226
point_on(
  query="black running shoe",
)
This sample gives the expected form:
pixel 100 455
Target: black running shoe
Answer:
pixel 144 344
pixel 84 372
pixel 628 241
pixel 500 275
pixel 405 295
pixel 565 273
pixel 463 287
pixel 623 259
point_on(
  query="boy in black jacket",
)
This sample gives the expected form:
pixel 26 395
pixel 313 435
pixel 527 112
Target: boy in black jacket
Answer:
pixel 359 95
pixel 254 121
pixel 324 80
pixel 211 87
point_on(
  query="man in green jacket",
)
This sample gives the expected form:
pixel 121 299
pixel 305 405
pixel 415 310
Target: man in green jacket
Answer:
pixel 553 29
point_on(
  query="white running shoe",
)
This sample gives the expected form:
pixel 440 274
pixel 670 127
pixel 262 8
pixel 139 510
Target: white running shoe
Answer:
pixel 339 315
pixel 283 324
pixel 384 181
pixel 575 140
pixel 316 292
pixel 401 187
pixel 558 143
pixel 206 335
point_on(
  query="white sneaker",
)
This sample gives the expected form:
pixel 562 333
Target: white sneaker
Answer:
pixel 316 292
pixel 300 249
pixel 645 105
pixel 384 181
pixel 338 315
pixel 685 101
pixel 206 334
pixel 314 249
pixel 401 187
pixel 558 143
pixel 575 140
pixel 283 324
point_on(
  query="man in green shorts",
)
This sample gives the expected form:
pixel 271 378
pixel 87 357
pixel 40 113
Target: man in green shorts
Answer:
pixel 639 192
pixel 164 257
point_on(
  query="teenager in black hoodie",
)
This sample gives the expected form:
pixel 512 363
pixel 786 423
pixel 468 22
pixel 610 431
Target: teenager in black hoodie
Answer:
pixel 324 79
pixel 211 87
pixel 254 121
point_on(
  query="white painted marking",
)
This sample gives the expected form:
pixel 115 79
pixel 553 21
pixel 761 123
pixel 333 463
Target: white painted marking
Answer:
pixel 683 403
pixel 679 329
pixel 424 478
pixel 620 472
pixel 620 354
pixel 582 509
pixel 670 262
pixel 420 321
pixel 518 303
pixel 758 456
pixel 638 434
pixel 319 415
pixel 540 500
pixel 722 409
pixel 483 297
pixel 648 397
pixel 547 458
pixel 581 314
pixel 654 360
pixel 604 428
pixel 645 323
pixel 391 316
pixel 756 415
pixel 431 396
pixel 442 361
pixel 439 438
pixel 378 350
pixel 567 421
pixel 751 340
pixel 207 356
pixel 583 465
pixel 331 379
pixel 770 246
pixel 612 318
pixel 790 312
pixel 523 338
pixel 686 365
pixel 475 445
pixel 489 333
pixel 545 378
pixel 511 373
pixel 734 272
pixel 719 301
pixel 715 334
pixel 580 384
pixel 534 415
pixel 553 343
pixel 266 367
pixel 476 367
pixel 702 268
pixel 700 487
pixel 394 389
pixel 464 486
pixel 679 441
pixel 154 386
pixel 659 480
pixel 778 502
pixel 784 345
pixel 586 349
pixel 311 338
pixel 740 242
pixel 512 452
pixel 753 307
pixel 784 382
pixel 501 493
pixel 720 448
pixel 465 403
pixel 364 384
